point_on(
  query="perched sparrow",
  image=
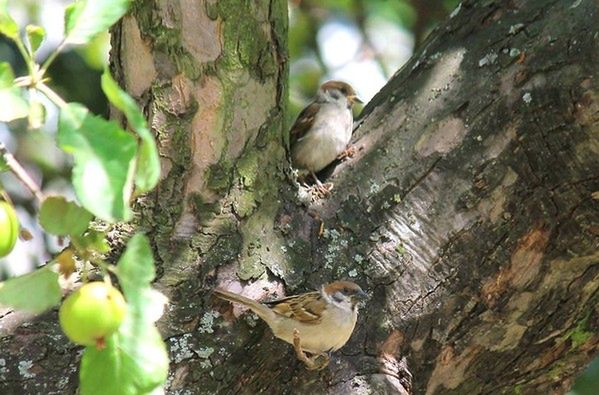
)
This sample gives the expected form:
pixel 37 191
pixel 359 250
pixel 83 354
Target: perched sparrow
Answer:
pixel 317 322
pixel 323 129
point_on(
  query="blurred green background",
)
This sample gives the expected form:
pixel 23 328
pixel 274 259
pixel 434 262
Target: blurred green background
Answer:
pixel 363 42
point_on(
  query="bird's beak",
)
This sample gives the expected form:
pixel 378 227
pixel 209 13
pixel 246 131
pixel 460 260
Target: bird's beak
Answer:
pixel 361 295
pixel 355 99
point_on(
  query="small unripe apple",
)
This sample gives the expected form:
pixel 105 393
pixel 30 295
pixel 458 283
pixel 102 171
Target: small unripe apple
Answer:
pixel 91 313
pixel 9 228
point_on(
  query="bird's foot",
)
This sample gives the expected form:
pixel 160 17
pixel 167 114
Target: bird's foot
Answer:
pixel 348 153
pixel 315 362
pixel 321 191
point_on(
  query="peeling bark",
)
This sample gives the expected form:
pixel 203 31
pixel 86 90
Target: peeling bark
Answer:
pixel 468 212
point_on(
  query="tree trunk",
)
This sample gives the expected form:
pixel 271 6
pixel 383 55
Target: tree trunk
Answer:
pixel 469 213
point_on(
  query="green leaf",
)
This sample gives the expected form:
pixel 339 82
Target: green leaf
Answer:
pixel 103 364
pixel 13 105
pixel 86 18
pixel 61 217
pixel 148 163
pixel 3 165
pixel 93 240
pixel 120 369
pixel 8 26
pixel 35 36
pixel 7 77
pixel 135 360
pixel 136 266
pixel 34 292
pixel 104 161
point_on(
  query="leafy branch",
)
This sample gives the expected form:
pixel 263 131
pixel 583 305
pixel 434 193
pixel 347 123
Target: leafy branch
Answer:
pixel 111 165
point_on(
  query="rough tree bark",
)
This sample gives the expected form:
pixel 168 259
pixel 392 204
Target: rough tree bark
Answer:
pixel 468 213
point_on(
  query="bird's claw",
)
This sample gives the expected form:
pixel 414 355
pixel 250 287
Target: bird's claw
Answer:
pixel 348 153
pixel 321 191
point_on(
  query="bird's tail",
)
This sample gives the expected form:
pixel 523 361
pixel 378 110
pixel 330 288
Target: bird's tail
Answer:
pixel 263 312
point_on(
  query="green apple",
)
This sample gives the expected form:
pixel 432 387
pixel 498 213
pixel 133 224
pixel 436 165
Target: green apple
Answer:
pixel 9 228
pixel 93 312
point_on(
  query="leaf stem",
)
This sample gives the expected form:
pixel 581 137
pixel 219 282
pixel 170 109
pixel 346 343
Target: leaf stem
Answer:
pixel 50 94
pixel 21 173
pixel 52 56
pixel 26 57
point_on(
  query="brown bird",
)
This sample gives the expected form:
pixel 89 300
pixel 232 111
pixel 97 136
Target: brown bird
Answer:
pixel 323 129
pixel 317 322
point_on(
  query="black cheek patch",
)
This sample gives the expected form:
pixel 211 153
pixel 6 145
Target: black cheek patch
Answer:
pixel 338 297
pixel 335 95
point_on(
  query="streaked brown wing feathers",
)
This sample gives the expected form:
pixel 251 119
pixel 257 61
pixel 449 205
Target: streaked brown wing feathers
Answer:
pixel 298 308
pixel 303 122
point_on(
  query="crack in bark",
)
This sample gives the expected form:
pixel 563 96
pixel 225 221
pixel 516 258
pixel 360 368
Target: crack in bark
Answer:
pixel 422 177
pixel 422 297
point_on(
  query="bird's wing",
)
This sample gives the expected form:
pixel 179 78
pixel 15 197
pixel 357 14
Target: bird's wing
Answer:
pixel 298 308
pixel 304 121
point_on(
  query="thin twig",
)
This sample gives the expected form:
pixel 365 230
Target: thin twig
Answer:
pixel 21 173
pixel 25 54
pixel 50 94
pixel 52 56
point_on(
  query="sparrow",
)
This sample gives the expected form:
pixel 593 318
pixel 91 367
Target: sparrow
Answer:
pixel 318 322
pixel 323 129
